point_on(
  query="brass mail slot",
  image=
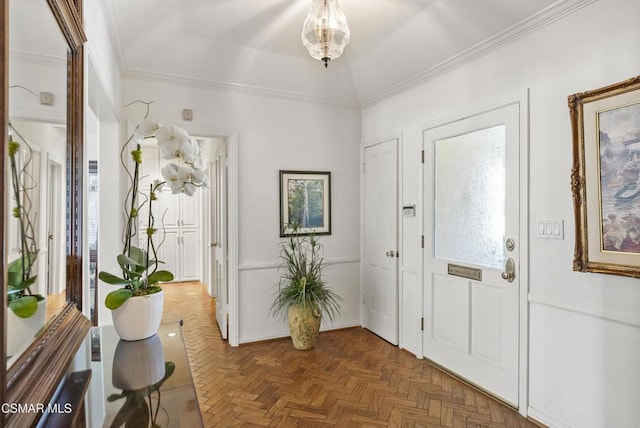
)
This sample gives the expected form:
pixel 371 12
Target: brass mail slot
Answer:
pixel 465 272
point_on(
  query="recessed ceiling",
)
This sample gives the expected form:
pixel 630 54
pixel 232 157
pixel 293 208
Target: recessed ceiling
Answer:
pixel 255 44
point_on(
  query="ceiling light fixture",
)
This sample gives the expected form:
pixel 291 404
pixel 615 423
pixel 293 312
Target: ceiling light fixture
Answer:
pixel 325 32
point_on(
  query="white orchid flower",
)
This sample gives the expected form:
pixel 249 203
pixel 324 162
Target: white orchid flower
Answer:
pixel 146 128
pixel 196 146
pixel 194 176
pixel 174 142
pixel 158 185
pixel 189 189
pixel 197 163
pixel 172 177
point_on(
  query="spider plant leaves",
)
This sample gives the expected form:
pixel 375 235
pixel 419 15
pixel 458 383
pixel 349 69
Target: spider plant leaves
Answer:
pixel 301 278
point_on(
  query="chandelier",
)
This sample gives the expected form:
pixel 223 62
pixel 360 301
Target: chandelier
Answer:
pixel 325 32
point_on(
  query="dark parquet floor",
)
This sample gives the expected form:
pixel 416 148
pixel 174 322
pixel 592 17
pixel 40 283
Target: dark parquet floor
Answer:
pixel 352 378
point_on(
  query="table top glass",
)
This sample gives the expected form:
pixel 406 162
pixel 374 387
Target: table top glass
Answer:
pixel 141 383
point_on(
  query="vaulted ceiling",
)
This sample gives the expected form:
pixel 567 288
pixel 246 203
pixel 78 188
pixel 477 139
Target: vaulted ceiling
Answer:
pixel 255 45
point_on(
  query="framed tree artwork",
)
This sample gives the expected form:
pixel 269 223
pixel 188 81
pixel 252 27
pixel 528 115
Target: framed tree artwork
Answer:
pixel 305 203
pixel 605 178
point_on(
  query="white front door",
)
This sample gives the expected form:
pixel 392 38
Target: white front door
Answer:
pixel 381 240
pixel 219 243
pixel 472 247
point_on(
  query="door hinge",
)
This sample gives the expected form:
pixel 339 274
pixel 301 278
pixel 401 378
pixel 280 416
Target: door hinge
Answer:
pixel 364 167
pixel 363 299
pixel 422 324
pixel 422 241
pixel 422 156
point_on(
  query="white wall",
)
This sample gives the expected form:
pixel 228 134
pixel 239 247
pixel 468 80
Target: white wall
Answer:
pixel 101 57
pixel 584 328
pixel 103 94
pixel 274 134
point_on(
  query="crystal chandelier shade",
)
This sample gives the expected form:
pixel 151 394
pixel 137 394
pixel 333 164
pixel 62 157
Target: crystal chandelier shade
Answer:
pixel 325 32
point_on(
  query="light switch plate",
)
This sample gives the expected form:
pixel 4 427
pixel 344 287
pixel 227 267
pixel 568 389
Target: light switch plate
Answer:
pixel 46 98
pixel 550 229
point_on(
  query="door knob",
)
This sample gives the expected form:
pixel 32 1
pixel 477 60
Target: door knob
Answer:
pixel 510 244
pixel 509 273
pixel 390 253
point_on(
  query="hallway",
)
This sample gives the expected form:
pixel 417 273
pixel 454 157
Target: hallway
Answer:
pixel 351 379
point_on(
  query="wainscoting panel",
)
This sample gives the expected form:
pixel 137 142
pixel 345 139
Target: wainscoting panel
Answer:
pixel 584 361
pixel 410 311
pixel 259 281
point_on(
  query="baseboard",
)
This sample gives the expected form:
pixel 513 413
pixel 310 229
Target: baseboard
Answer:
pixel 544 420
pixel 279 334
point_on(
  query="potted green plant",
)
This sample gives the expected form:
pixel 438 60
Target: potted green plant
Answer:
pixel 136 307
pixel 303 295
pixel 27 309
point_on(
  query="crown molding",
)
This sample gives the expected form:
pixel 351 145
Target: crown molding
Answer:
pixel 45 115
pixel 109 13
pixel 37 59
pixel 547 16
pixel 142 75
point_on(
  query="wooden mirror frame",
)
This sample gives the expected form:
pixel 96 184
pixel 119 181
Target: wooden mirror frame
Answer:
pixel 34 377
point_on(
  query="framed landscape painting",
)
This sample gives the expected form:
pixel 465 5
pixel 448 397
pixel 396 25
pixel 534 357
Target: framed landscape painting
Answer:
pixel 305 203
pixel 605 178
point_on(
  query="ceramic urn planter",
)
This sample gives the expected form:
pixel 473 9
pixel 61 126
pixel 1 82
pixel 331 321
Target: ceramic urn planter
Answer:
pixel 138 364
pixel 20 331
pixel 304 325
pixel 139 317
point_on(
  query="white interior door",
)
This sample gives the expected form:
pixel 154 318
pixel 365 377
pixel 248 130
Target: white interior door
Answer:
pixel 381 240
pixel 219 204
pixel 212 222
pixel 190 250
pixel 472 249
pixel 54 208
pixel 169 252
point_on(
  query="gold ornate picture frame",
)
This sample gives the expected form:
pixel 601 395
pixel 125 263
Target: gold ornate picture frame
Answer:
pixel 605 178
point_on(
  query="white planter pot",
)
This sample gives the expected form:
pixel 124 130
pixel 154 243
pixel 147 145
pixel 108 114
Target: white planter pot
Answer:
pixel 138 364
pixel 139 316
pixel 20 331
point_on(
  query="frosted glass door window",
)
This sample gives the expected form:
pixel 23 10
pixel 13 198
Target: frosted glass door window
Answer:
pixel 470 197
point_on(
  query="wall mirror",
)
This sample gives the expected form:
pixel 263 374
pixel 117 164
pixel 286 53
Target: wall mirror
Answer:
pixel 38 128
pixel 42 92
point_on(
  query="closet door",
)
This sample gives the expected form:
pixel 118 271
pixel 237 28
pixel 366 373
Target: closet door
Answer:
pixel 168 215
pixel 189 242
pixel 189 210
pixel 381 240
pixel 169 253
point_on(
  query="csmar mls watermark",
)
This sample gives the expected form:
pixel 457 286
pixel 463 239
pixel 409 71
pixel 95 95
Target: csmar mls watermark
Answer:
pixel 11 408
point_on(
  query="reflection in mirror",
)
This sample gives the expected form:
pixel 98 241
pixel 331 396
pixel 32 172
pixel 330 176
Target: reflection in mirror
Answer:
pixel 37 125
pixel 92 235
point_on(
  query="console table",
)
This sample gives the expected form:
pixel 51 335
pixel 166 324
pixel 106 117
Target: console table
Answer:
pixel 146 380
